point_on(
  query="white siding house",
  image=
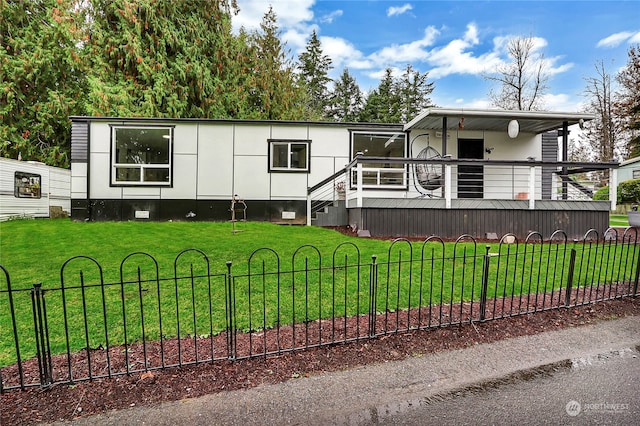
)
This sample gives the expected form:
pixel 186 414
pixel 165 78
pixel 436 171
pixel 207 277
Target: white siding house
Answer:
pixel 496 171
pixel 30 189
pixel 629 169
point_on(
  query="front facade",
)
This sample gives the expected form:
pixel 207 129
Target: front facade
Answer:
pixel 137 169
pixel 443 164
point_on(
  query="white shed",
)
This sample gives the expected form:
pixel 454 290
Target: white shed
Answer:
pixel 32 189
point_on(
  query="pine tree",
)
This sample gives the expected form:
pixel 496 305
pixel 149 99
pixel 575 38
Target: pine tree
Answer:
pixel 42 78
pixel 414 92
pixel 273 94
pixel 397 100
pixel 314 68
pixel 382 103
pixel 346 99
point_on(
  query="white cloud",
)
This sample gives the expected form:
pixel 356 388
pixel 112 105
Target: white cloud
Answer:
pixel 553 69
pixel 408 52
pixel 616 39
pixel 457 58
pixel 290 14
pixel 399 10
pixel 344 54
pixel 560 102
pixel 294 20
pixel 635 38
pixel 328 19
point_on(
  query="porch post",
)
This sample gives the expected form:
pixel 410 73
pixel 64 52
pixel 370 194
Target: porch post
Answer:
pixel 444 136
pixel 613 188
pixel 532 187
pixel 447 186
pixel 308 209
pixel 565 158
pixel 359 185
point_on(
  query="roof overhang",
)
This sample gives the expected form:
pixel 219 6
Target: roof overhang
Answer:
pixel 494 120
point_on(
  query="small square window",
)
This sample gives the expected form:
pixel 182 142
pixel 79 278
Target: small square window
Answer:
pixel 636 173
pixel 288 156
pixel 27 185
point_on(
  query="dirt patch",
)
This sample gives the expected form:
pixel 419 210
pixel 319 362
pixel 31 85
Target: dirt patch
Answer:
pixel 66 402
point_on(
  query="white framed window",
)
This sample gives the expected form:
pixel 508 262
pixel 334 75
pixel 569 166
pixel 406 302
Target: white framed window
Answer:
pixel 382 145
pixel 635 173
pixel 289 155
pixel 141 155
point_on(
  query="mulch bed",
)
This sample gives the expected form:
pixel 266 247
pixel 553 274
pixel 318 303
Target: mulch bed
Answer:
pixel 66 402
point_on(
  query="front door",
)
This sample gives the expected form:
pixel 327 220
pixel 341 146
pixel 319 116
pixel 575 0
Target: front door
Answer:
pixel 470 178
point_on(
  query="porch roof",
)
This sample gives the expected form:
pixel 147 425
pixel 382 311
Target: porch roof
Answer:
pixel 496 120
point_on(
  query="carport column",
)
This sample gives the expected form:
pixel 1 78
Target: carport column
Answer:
pixel 532 187
pixel 447 186
pixel 613 188
pixel 359 185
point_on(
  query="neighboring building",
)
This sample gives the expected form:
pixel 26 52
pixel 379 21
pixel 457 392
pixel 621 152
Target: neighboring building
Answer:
pixel 446 172
pixel 629 169
pixel 32 189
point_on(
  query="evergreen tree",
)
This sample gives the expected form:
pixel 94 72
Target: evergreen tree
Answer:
pixel 346 100
pixel 274 94
pixel 397 100
pixel 414 92
pixel 314 68
pixel 382 103
pixel 627 105
pixel 42 78
pixel 158 58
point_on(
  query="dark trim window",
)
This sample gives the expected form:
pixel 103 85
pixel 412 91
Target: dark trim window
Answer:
pixel 141 156
pixel 636 173
pixel 382 145
pixel 27 185
pixel 289 155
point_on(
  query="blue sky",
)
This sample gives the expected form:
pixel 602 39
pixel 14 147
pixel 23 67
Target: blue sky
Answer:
pixel 458 41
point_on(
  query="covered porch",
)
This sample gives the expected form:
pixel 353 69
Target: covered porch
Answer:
pixel 468 189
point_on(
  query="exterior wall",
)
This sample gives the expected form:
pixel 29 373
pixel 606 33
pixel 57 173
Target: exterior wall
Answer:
pixel 626 169
pixel 504 148
pixel 212 161
pixel 55 189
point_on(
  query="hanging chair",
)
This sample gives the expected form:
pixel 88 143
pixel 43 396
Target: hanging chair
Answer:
pixel 428 176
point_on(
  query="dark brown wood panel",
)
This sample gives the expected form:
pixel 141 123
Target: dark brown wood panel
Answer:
pixel 454 222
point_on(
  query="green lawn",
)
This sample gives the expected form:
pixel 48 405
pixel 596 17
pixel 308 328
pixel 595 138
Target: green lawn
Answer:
pixel 618 220
pixel 34 250
pixel 187 298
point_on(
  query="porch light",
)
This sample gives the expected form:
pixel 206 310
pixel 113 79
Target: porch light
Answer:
pixel 513 129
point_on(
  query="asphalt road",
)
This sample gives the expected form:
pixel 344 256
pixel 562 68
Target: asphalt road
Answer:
pixel 598 390
pixel 592 371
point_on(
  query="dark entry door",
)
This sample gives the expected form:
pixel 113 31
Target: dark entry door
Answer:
pixel 470 178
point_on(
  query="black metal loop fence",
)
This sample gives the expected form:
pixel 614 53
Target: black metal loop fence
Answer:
pixel 206 311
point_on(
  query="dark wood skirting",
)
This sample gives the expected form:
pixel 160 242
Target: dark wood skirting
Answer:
pixel 451 223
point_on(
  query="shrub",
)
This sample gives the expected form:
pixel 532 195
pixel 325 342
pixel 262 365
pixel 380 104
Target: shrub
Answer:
pixel 602 194
pixel 629 191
